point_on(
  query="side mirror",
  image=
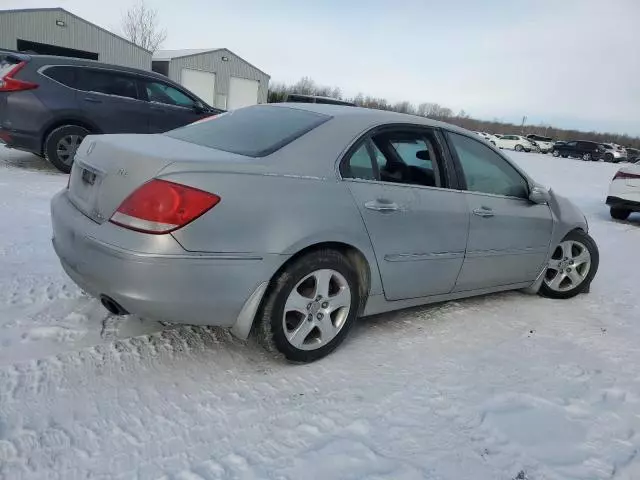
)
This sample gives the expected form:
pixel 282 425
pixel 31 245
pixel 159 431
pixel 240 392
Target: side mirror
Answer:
pixel 539 195
pixel 199 108
pixel 423 155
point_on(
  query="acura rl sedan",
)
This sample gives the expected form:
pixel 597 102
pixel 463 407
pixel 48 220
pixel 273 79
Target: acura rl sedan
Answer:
pixel 292 220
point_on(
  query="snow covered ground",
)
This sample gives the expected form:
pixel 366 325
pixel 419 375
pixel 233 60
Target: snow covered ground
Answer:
pixel 499 387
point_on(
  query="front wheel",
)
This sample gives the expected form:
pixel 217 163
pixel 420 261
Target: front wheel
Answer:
pixel 310 307
pixel 608 158
pixel 586 157
pixel 572 266
pixel 61 145
pixel 619 213
pixel 555 153
pixel 519 148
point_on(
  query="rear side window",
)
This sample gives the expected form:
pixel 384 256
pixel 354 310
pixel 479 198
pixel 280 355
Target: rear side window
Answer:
pixel 62 74
pixel 254 131
pixel 107 82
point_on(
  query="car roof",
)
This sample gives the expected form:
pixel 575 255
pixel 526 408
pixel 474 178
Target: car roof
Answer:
pixel 84 62
pixel 368 116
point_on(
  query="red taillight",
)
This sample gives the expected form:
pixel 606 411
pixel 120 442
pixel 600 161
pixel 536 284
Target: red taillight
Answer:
pixel 625 175
pixel 162 207
pixel 10 84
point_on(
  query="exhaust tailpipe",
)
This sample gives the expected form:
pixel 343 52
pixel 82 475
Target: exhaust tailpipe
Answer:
pixel 112 306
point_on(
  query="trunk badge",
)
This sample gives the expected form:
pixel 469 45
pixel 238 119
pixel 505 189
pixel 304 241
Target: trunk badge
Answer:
pixel 91 147
pixel 122 172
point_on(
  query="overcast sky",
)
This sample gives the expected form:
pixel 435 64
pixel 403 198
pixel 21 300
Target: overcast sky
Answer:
pixel 571 63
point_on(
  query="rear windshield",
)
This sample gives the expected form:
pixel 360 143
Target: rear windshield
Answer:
pixel 255 131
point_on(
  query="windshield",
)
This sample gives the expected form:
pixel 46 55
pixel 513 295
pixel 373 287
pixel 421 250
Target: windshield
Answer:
pixel 255 131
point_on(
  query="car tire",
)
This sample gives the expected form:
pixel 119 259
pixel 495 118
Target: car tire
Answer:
pixel 608 158
pixel 61 144
pixel 555 153
pixel 558 280
pixel 565 156
pixel 586 157
pixel 519 148
pixel 619 213
pixel 279 320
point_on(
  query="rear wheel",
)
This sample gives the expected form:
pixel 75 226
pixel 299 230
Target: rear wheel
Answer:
pixel 619 213
pixel 572 266
pixel 61 144
pixel 310 307
pixel 519 148
pixel 586 157
pixel 555 153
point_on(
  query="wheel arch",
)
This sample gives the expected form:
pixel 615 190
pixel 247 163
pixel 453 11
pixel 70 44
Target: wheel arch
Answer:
pixel 355 255
pixel 61 122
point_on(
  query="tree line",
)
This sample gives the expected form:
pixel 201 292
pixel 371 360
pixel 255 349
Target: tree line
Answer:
pixel 306 86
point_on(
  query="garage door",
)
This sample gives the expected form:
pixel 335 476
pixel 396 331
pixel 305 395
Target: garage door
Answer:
pixel 203 84
pixel 242 93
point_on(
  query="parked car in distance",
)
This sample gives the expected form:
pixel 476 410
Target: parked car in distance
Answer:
pixel 579 149
pixel 48 104
pixel 541 144
pixel 633 154
pixel 299 98
pixel 514 142
pixel 492 139
pixel 624 192
pixel 339 223
pixel 614 153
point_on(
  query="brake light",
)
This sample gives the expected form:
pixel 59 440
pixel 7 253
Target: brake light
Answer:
pixel 625 176
pixel 10 84
pixel 160 206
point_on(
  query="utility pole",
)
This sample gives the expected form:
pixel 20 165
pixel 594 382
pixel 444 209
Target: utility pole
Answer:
pixel 524 119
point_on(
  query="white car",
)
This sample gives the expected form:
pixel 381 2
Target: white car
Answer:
pixel 624 192
pixel 614 153
pixel 541 144
pixel 514 142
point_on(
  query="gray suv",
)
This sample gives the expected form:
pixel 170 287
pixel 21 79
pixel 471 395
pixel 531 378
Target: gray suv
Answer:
pixel 49 104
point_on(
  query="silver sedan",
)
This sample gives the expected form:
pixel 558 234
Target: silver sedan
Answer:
pixel 293 220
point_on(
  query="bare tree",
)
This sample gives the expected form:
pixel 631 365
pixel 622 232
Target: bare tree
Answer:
pixel 140 25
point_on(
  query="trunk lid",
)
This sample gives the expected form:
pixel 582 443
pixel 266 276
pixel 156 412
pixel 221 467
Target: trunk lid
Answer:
pixel 108 168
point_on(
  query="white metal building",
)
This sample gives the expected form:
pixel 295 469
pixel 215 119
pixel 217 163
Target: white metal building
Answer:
pixel 55 31
pixel 218 76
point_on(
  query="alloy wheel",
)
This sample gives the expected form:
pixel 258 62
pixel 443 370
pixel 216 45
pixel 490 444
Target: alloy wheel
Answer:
pixel 316 309
pixel 67 147
pixel 569 266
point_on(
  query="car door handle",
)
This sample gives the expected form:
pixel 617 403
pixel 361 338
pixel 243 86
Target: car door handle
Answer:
pixel 382 206
pixel 92 100
pixel 483 212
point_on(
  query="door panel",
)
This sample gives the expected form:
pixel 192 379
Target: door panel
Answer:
pixel 169 107
pixel 508 234
pixel 508 241
pixel 110 100
pixel 242 92
pixel 203 84
pixel 418 234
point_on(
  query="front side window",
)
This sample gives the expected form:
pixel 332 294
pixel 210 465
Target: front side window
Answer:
pixel 107 82
pixel 253 131
pixel 485 171
pixel 572 144
pixel 163 93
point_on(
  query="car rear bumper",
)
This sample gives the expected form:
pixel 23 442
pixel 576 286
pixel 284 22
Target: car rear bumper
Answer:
pixel 626 204
pixel 27 141
pixel 189 288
